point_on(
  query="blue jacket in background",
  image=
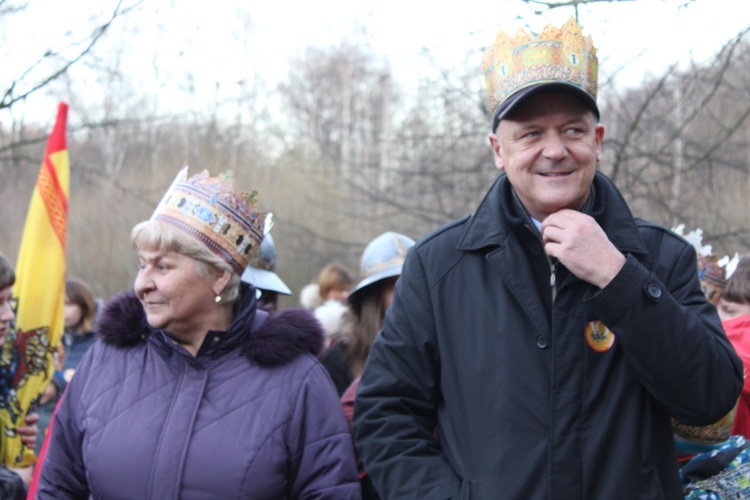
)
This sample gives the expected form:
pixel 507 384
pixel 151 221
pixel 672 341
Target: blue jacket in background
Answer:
pixel 76 345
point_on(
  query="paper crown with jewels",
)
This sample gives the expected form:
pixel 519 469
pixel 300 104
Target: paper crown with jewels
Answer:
pixel 209 209
pixel 713 274
pixel 518 66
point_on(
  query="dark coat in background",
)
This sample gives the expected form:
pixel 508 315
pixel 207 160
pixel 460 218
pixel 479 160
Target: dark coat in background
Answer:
pixel 253 415
pixel 335 359
pixel 76 345
pixel 540 390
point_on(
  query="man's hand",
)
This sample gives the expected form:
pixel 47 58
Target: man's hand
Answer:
pixel 579 243
pixel 29 431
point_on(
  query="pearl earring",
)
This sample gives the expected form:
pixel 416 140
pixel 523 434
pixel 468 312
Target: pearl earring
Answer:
pixel 217 299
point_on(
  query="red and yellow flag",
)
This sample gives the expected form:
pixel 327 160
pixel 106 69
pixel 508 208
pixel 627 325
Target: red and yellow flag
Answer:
pixel 40 290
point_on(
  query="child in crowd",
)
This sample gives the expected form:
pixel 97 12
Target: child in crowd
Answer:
pixel 734 311
pixel 334 284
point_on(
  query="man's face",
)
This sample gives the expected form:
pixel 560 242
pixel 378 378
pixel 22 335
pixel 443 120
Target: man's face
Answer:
pixel 549 147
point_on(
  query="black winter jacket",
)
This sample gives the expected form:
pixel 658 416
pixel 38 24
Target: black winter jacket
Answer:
pixel 539 391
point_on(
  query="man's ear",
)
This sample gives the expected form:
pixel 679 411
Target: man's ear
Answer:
pixel 599 137
pixel 495 144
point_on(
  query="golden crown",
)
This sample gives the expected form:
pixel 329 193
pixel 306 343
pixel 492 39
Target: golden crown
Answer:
pixel 210 210
pixel 556 56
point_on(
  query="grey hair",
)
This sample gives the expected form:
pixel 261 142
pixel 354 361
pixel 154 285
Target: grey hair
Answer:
pixel 157 235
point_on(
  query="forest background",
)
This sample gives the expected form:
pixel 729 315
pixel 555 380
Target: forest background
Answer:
pixel 341 140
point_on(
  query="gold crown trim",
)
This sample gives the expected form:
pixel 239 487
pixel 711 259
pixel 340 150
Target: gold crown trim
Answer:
pixel 561 55
pixel 209 209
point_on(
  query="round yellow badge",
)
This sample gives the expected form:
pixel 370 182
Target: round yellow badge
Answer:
pixel 599 337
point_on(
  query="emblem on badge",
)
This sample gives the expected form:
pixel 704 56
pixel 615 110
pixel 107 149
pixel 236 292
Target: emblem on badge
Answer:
pixel 599 337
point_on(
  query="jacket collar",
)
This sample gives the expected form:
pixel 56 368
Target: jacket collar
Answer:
pixel 275 341
pixel 497 216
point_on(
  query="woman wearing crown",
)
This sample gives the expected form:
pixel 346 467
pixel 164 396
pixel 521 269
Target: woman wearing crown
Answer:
pixel 195 392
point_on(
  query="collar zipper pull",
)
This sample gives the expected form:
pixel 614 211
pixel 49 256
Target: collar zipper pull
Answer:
pixel 552 275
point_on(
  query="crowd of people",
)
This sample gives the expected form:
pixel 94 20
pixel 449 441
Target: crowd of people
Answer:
pixel 542 347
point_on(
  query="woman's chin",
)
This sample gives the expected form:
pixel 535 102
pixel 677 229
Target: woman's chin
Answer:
pixel 155 321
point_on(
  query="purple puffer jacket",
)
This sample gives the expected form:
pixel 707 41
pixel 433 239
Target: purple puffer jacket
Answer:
pixel 253 415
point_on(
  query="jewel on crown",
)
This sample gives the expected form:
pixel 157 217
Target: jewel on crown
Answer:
pixel 222 189
pixel 555 55
pixel 209 209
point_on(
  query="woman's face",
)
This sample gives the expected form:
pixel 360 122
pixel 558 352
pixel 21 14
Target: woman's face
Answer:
pixel 73 313
pixel 6 312
pixel 175 297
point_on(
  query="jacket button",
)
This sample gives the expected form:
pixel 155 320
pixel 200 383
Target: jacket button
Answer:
pixel 653 291
pixel 541 342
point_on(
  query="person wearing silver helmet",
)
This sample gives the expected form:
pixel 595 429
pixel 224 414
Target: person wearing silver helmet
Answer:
pixel 261 274
pixel 367 303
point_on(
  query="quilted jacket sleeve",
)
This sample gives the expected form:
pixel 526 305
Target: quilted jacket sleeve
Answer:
pixel 63 473
pixel 322 455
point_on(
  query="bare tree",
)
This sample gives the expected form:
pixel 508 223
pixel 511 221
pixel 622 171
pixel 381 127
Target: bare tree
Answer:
pixel 350 153
pixel 678 147
pixel 55 61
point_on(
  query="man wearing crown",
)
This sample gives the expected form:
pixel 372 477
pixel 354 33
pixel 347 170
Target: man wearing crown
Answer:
pixel 540 347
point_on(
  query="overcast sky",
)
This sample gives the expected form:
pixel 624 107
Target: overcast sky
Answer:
pixel 225 40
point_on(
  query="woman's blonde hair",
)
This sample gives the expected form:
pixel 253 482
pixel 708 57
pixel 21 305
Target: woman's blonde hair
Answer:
pixel 157 235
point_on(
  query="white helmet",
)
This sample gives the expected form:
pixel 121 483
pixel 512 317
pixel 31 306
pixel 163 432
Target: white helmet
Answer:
pixel 260 272
pixel 383 258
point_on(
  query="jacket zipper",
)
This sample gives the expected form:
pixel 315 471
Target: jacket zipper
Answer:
pixel 552 265
pixel 553 277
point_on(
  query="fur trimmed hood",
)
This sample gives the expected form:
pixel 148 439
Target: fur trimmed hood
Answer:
pixel 281 338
